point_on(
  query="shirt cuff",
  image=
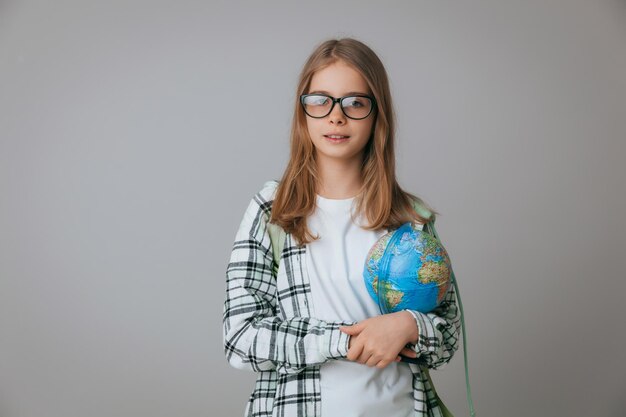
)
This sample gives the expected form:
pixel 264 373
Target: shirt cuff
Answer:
pixel 425 329
pixel 335 342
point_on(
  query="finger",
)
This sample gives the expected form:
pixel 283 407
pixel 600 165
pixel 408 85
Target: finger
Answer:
pixel 347 329
pixel 379 360
pixel 355 351
pixel 365 357
pixel 355 328
pixel 382 364
pixel 408 352
pixel 373 361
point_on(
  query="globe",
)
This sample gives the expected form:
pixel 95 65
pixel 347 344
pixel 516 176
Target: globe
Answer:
pixel 407 268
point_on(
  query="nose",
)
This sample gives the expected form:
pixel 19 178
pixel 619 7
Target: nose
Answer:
pixel 336 115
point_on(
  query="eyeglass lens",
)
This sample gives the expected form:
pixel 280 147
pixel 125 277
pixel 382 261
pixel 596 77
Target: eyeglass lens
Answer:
pixel 355 107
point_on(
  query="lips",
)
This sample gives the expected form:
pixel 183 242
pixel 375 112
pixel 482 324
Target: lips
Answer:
pixel 341 140
pixel 338 136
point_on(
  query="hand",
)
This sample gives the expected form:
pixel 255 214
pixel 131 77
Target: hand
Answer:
pixel 378 341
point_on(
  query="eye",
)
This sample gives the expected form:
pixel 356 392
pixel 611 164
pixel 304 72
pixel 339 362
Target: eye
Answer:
pixel 316 100
pixel 355 102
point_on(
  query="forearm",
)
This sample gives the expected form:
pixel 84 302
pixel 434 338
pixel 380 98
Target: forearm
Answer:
pixel 288 346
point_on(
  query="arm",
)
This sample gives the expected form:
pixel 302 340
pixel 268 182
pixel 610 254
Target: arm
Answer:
pixel 255 338
pixel 438 331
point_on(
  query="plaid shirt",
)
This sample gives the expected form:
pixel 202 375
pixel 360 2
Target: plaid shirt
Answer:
pixel 268 329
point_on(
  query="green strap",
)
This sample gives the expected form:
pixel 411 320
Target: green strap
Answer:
pixel 431 226
pixel 277 236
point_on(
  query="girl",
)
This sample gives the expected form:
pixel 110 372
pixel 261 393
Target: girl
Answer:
pixel 311 332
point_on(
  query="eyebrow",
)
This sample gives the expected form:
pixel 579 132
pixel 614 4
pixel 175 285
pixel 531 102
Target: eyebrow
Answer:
pixel 346 94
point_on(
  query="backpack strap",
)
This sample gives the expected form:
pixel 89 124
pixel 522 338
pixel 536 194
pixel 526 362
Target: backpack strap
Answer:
pixel 277 233
pixel 277 237
pixel 430 228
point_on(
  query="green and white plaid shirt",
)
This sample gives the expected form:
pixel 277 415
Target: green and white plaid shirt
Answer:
pixel 268 328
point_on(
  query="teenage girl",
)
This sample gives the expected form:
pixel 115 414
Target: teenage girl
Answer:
pixel 316 339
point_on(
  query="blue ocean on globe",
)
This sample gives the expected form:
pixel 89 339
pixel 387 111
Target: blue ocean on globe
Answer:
pixel 407 268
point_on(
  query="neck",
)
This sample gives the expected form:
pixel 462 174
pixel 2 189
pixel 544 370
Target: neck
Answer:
pixel 339 178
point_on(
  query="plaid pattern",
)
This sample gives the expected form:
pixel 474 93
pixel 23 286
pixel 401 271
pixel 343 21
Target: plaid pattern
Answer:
pixel 267 327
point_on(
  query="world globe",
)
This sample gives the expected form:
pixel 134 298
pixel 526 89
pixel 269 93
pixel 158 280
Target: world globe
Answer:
pixel 407 268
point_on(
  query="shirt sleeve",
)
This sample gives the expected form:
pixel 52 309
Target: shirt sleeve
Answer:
pixel 438 331
pixel 255 337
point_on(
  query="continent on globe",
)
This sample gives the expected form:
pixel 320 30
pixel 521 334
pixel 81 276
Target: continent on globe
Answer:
pixel 393 297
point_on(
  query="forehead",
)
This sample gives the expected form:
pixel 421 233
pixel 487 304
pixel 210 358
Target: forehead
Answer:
pixel 338 79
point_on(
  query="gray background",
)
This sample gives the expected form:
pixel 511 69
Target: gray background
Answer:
pixel 131 144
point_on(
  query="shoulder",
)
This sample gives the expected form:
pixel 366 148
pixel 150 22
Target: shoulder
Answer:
pixel 268 190
pixel 265 195
pixel 257 214
pixel 261 203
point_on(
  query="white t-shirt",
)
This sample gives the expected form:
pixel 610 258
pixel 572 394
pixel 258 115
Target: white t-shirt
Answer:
pixel 335 265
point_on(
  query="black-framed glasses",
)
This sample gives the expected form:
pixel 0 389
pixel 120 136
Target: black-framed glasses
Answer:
pixel 356 106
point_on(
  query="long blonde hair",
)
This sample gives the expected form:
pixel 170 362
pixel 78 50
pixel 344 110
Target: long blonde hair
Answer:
pixel 386 205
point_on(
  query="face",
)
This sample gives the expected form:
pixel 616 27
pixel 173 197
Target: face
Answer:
pixel 338 80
